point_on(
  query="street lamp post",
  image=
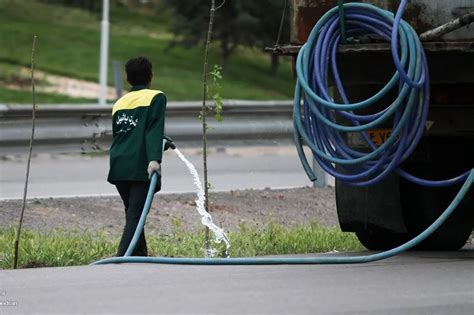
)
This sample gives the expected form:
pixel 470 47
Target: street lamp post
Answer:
pixel 104 52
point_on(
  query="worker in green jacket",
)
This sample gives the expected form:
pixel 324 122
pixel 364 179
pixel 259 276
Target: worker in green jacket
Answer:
pixel 138 120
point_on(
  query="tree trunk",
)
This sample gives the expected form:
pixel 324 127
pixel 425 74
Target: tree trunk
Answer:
pixel 204 112
pixel 91 5
pixel 275 64
pixel 225 54
pixel 225 61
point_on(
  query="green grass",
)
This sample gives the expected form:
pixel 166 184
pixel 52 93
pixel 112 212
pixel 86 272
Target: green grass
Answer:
pixel 63 248
pixel 68 44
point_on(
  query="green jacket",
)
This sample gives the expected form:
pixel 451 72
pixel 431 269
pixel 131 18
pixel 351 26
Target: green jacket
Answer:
pixel 138 120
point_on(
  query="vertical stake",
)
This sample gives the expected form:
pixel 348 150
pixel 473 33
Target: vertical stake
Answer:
pixel 204 114
pixel 25 190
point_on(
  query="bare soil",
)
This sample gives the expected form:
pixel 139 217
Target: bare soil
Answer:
pixel 229 210
pixel 56 84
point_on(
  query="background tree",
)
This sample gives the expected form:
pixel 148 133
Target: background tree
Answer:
pixel 269 14
pixel 248 23
pixel 190 19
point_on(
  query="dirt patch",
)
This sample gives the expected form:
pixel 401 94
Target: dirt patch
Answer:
pixel 56 84
pixel 229 210
pixel 35 264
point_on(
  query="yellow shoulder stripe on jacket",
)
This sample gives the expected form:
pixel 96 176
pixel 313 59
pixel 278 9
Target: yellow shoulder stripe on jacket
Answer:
pixel 135 99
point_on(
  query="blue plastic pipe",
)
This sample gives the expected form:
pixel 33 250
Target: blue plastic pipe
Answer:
pixel 141 222
pixel 316 122
pixel 285 260
pixel 317 127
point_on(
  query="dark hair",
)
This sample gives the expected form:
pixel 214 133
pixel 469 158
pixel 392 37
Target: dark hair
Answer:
pixel 139 71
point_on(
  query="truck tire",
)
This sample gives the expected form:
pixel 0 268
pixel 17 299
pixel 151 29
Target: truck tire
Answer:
pixel 374 238
pixel 373 212
pixel 389 213
pixel 423 205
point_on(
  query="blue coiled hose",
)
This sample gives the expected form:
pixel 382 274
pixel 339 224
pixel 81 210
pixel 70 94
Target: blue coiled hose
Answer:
pixel 317 125
pixel 319 130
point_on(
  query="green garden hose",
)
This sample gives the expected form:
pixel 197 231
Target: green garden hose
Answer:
pixel 410 110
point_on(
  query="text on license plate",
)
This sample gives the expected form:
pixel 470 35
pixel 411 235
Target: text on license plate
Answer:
pixel 379 136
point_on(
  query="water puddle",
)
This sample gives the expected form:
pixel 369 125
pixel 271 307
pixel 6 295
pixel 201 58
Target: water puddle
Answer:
pixel 206 219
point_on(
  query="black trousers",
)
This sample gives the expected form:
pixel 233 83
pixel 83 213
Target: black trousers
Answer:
pixel 133 195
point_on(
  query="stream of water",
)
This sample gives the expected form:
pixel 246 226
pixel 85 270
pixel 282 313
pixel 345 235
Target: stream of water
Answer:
pixel 206 218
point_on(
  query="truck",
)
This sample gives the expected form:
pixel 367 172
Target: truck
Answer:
pixel 389 213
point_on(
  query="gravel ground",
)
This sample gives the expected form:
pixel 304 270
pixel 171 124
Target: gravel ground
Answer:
pixel 229 210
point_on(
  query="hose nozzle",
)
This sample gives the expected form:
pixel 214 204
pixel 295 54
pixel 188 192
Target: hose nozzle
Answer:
pixel 168 143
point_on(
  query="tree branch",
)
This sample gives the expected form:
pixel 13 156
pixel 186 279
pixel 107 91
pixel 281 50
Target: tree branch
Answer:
pixel 220 5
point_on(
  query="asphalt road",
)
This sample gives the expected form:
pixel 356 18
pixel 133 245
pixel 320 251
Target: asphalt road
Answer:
pixel 414 283
pixel 230 168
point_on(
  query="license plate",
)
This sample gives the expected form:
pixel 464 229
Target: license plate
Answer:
pixel 379 136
